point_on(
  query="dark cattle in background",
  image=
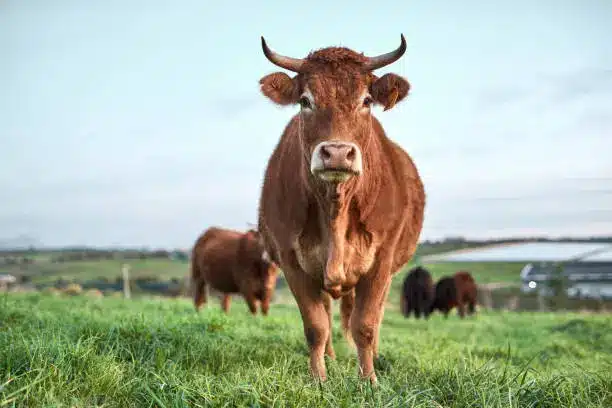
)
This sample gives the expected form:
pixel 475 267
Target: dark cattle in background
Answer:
pixel 341 208
pixel 459 291
pixel 445 295
pixel 232 262
pixel 417 293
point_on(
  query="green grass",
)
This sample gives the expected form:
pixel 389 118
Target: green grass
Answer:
pixel 46 272
pixel 483 272
pixel 60 351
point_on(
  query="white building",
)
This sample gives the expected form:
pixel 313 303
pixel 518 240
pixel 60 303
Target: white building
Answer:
pixel 585 266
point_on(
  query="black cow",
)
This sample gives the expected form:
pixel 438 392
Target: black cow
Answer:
pixel 417 293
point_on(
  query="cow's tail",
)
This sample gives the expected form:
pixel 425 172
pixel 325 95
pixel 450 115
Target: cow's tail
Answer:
pixel 194 271
pixel 196 282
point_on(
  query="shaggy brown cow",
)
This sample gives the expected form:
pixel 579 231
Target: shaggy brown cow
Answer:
pixel 459 290
pixel 232 262
pixel 417 293
pixel 341 208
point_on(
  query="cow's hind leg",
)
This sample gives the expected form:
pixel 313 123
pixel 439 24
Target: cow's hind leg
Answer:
pixel 461 309
pixel 426 308
pixel 407 306
pixel 403 308
pixel 264 306
pixel 199 293
pixel 471 307
pixel 309 298
pixel 329 348
pixel 225 302
pixel 251 302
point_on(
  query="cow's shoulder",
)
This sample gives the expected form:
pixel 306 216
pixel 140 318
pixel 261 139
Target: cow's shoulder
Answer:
pixel 284 202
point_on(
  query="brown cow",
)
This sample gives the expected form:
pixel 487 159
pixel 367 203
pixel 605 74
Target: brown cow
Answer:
pixel 232 262
pixel 341 208
pixel 459 290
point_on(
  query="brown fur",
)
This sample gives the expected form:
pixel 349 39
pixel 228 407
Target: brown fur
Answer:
pixel 467 292
pixel 356 234
pixel 231 262
pixel 459 291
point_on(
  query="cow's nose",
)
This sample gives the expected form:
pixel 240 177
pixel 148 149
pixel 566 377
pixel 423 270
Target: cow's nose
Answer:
pixel 338 155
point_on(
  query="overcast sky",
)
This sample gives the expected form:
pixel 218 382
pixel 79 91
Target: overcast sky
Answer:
pixel 141 122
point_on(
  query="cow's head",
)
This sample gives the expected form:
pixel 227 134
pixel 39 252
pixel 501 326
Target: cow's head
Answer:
pixel 336 89
pixel 254 258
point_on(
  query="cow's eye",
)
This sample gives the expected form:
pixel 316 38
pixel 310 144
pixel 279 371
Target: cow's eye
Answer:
pixel 367 101
pixel 305 103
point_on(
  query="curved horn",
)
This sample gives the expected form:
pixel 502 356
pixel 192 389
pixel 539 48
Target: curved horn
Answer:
pixel 386 59
pixel 292 64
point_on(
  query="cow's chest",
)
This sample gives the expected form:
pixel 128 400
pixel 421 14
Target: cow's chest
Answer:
pixel 358 256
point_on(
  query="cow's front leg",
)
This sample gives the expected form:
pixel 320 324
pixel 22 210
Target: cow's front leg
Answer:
pixel 329 347
pixel 225 302
pixel 381 316
pixel 309 298
pixel 264 306
pixel 371 292
pixel 251 301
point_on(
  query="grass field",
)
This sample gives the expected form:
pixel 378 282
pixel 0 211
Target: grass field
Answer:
pixel 43 271
pixel 46 272
pixel 75 351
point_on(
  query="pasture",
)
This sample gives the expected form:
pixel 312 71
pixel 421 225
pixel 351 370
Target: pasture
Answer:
pixel 78 351
pixel 45 272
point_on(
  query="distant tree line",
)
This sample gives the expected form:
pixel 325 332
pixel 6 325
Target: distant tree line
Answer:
pixel 16 260
pixel 96 255
pixel 91 254
pixel 26 256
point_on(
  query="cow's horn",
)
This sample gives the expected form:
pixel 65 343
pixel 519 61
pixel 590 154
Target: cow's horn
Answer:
pixel 292 64
pixel 385 59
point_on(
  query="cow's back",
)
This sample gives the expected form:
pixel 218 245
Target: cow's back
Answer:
pixel 419 279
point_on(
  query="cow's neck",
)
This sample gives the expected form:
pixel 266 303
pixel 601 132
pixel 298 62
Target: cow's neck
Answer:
pixel 334 204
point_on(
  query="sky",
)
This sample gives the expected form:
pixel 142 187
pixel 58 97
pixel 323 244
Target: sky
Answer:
pixel 141 122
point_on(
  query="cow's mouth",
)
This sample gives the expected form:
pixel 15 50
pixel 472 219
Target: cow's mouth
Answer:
pixel 336 175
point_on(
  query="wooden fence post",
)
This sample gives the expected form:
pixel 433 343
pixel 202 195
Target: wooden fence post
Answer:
pixel 513 303
pixel 487 297
pixel 541 302
pixel 125 270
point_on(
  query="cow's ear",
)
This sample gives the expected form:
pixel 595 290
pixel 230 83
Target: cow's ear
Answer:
pixel 280 88
pixel 389 89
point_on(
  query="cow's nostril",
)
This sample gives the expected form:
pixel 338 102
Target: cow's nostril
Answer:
pixel 325 154
pixel 351 154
